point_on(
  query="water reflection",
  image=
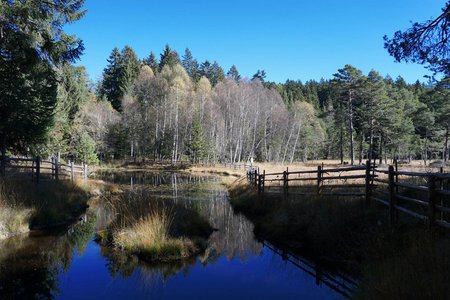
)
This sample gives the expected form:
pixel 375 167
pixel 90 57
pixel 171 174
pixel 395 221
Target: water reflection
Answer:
pixel 234 265
pixel 29 266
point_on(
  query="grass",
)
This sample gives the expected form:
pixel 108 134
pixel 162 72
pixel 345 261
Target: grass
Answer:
pixel 404 262
pixel 14 217
pixel 154 229
pixel 25 205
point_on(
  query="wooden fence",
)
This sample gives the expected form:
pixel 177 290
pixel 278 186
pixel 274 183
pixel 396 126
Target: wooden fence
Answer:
pixel 39 169
pixel 421 195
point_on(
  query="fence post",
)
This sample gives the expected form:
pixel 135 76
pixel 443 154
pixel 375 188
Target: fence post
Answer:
pixel 368 186
pixel 392 202
pixel 256 177
pixel 259 183
pixel 431 199
pixel 38 168
pixel 84 171
pixel 57 168
pixel 396 175
pixel 71 171
pixel 263 180
pixel 53 167
pixel 319 179
pixel 286 187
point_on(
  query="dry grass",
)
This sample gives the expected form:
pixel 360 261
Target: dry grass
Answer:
pixel 404 262
pixel 154 229
pixel 14 217
pixel 150 238
pixel 25 205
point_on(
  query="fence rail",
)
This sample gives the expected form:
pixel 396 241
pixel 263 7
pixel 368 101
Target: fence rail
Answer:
pixel 41 169
pixel 421 195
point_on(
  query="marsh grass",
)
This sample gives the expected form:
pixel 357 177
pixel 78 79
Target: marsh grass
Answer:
pixel 154 229
pixel 14 216
pixel 25 205
pixel 403 262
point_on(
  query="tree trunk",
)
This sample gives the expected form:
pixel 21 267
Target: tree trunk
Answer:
pixel 370 154
pixel 361 150
pixel 350 108
pixel 380 154
pixel 294 148
pixel 446 154
pixel 341 145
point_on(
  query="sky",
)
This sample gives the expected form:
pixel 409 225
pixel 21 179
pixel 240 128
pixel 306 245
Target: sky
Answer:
pixel 289 39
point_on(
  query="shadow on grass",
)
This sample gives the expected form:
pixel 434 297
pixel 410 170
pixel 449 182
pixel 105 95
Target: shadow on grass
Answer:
pixel 41 206
pixel 404 262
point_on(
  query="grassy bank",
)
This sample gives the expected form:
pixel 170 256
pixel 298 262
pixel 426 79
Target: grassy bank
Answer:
pixel 154 229
pixel 25 205
pixel 405 262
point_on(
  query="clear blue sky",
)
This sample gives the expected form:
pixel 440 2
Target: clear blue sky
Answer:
pixel 290 39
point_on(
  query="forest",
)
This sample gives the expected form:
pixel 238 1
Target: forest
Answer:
pixel 176 108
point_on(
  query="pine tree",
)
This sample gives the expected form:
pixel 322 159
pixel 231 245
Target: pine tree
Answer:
pixel 129 67
pixel 347 82
pixel 218 74
pixel 118 77
pixel 110 85
pixel 233 73
pixel 197 147
pixel 206 70
pixel 152 62
pixel 259 75
pixel 190 64
pixel 33 45
pixel 168 57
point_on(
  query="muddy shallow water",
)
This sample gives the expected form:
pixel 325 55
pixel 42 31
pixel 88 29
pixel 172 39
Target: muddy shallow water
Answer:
pixel 235 265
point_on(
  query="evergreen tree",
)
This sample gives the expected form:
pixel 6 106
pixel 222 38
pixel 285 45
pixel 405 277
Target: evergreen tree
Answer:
pixel 206 70
pixel 152 62
pixel 129 67
pixel 233 73
pixel 119 76
pixel 190 64
pixel 110 85
pixel 217 75
pixel 168 57
pixel 259 75
pixel 32 44
pixel 197 147
pixel 347 82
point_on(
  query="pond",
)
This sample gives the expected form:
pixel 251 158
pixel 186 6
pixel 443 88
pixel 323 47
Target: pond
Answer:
pixel 235 265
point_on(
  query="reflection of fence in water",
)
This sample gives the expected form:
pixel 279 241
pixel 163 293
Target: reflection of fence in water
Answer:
pixel 341 283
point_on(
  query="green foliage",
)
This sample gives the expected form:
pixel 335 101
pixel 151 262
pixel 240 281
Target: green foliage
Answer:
pixel 259 75
pixel 197 149
pixel 29 55
pixel 118 77
pixel 169 57
pixel 190 64
pixel 152 62
pixel 233 73
pixel 424 43
pixel 84 149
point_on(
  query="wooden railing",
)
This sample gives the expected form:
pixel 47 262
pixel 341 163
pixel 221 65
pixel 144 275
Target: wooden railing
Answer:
pixel 39 169
pixel 422 195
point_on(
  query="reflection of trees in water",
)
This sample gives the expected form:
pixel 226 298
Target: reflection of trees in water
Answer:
pixel 29 266
pixel 233 238
pixel 150 274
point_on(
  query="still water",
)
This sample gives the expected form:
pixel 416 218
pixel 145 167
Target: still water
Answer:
pixel 235 265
